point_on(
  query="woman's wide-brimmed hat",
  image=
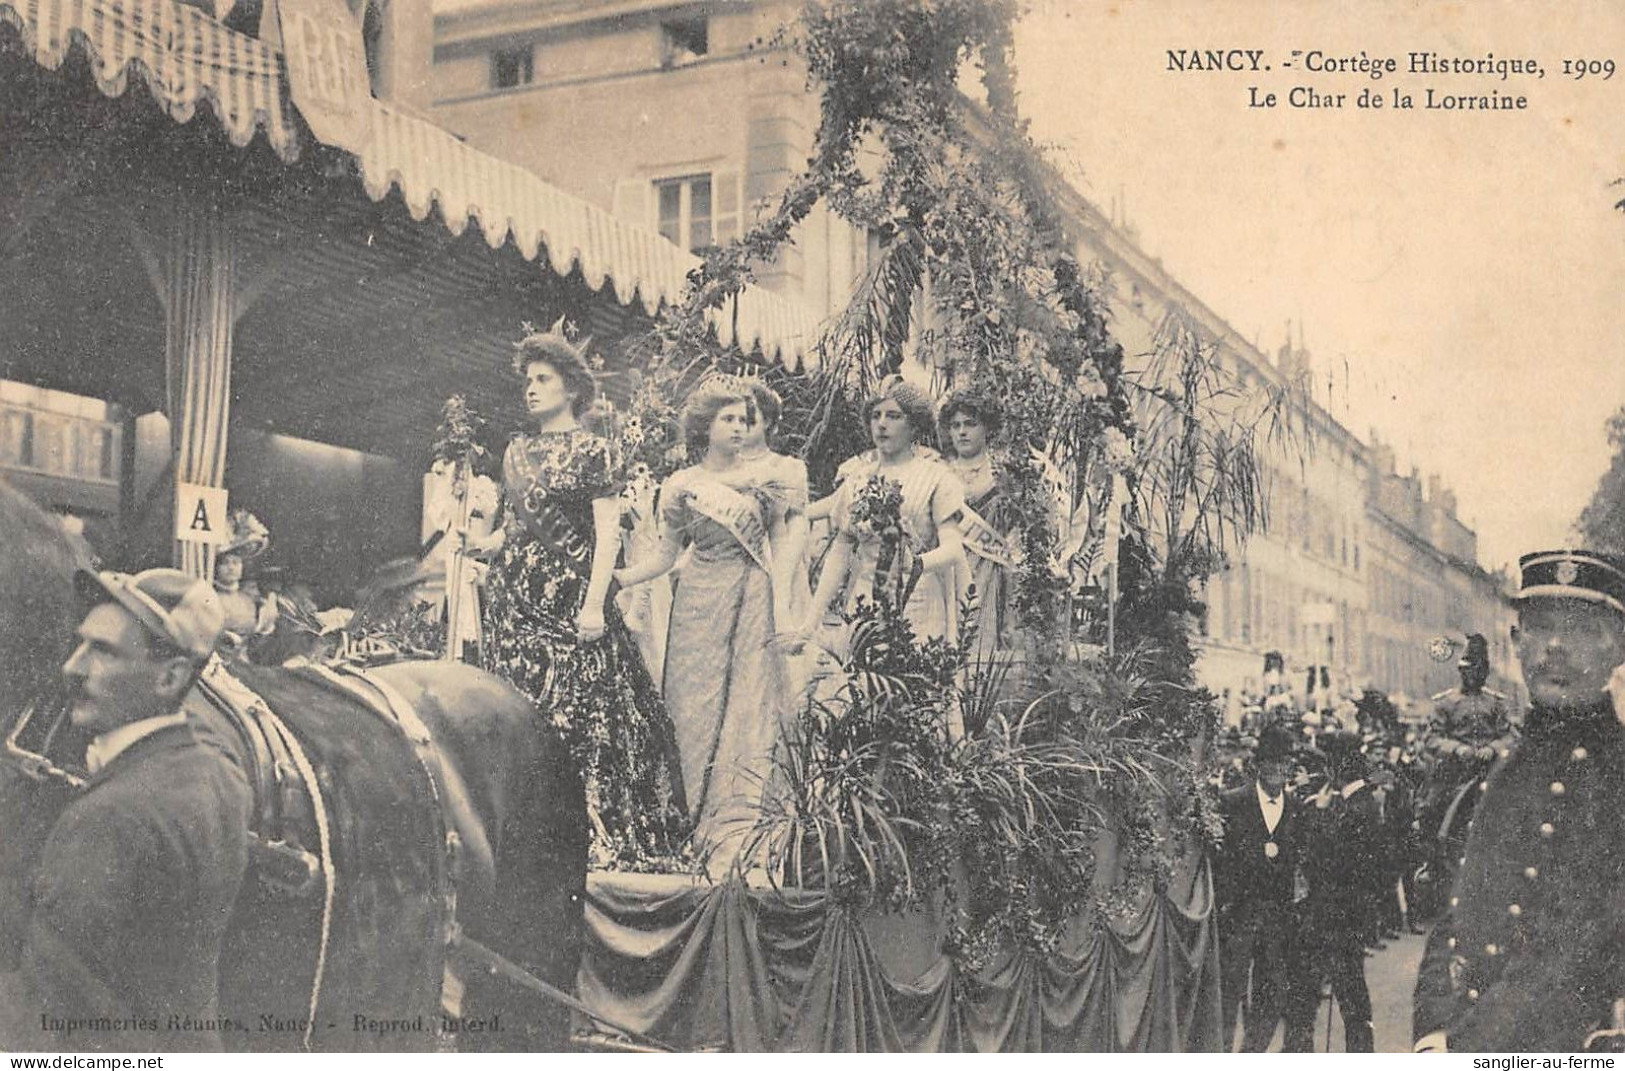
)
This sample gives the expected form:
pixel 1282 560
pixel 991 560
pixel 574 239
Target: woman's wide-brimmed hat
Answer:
pixel 249 537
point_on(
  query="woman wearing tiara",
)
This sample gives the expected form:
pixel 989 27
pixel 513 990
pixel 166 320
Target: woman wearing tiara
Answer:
pixel 966 421
pixel 724 679
pixel 551 627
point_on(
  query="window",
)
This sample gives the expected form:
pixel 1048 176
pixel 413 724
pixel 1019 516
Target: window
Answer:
pixel 512 67
pixel 695 212
pixel 59 434
pixel 372 44
pixel 682 41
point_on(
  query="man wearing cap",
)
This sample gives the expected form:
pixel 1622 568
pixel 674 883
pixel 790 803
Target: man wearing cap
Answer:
pixel 1529 956
pixel 139 876
pixel 1253 878
pixel 1343 851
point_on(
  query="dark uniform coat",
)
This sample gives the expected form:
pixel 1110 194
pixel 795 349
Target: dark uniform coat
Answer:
pixel 1343 857
pixel 1479 719
pixel 1531 955
pixel 136 884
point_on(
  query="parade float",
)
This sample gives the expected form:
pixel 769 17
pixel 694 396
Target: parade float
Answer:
pixel 1039 883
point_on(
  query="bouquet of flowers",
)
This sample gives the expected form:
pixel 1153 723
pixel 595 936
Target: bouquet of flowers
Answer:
pixel 877 509
pixel 877 513
pixel 645 431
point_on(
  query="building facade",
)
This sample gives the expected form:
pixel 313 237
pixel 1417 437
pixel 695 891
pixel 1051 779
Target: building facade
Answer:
pixel 677 117
pixel 681 117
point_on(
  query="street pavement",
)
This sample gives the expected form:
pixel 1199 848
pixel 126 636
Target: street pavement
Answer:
pixel 1390 974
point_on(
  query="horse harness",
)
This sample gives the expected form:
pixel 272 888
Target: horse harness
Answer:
pixel 290 815
pixel 282 819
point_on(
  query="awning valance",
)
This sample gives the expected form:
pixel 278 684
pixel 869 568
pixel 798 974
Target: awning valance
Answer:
pixel 183 56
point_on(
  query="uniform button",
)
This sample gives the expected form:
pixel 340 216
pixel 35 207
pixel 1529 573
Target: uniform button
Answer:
pixel 1491 950
pixel 1547 829
pixel 1472 994
pixel 1579 754
pixel 1451 942
pixel 1455 900
pixel 1462 861
pixel 1515 910
pixel 1557 788
pixel 1483 786
pixel 1501 752
pixel 1531 873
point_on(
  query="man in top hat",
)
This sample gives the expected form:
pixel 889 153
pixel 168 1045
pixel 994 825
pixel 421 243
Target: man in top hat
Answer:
pixel 1342 851
pixel 1254 872
pixel 140 873
pixel 1529 956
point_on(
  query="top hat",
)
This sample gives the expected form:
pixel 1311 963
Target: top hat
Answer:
pixel 1477 653
pixel 181 610
pixel 1572 574
pixel 1342 749
pixel 1274 743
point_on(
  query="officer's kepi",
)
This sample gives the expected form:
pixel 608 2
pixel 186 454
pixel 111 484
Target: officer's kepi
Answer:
pixel 1572 574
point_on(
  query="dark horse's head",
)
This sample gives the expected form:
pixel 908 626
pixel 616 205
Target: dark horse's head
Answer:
pixel 38 615
pixel 38 610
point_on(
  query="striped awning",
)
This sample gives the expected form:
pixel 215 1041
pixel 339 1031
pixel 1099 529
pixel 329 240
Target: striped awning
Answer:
pixel 182 55
pixel 185 57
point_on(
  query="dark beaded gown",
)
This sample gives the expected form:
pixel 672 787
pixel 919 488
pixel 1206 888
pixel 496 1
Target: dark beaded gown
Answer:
pixel 599 695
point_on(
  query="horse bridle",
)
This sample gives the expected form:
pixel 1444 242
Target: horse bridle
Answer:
pixel 37 764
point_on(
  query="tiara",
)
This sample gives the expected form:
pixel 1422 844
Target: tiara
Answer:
pixel 561 331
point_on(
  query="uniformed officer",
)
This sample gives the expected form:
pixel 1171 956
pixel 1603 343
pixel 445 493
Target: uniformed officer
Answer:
pixel 1469 726
pixel 1470 722
pixel 1528 956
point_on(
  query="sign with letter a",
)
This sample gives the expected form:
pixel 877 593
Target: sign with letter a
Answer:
pixel 327 70
pixel 200 514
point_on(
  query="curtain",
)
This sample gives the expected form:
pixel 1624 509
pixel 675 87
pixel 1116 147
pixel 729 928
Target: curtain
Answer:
pixel 199 274
pixel 747 970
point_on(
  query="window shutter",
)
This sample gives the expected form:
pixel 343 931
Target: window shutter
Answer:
pixel 632 201
pixel 725 202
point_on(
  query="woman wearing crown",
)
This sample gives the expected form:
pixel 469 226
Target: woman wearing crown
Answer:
pixel 966 422
pixel 724 679
pixel 551 627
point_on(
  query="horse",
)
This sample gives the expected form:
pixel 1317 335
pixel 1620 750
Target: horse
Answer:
pixel 450 810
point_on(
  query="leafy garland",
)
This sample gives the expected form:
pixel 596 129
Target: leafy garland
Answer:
pixel 970 243
pixel 968 236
